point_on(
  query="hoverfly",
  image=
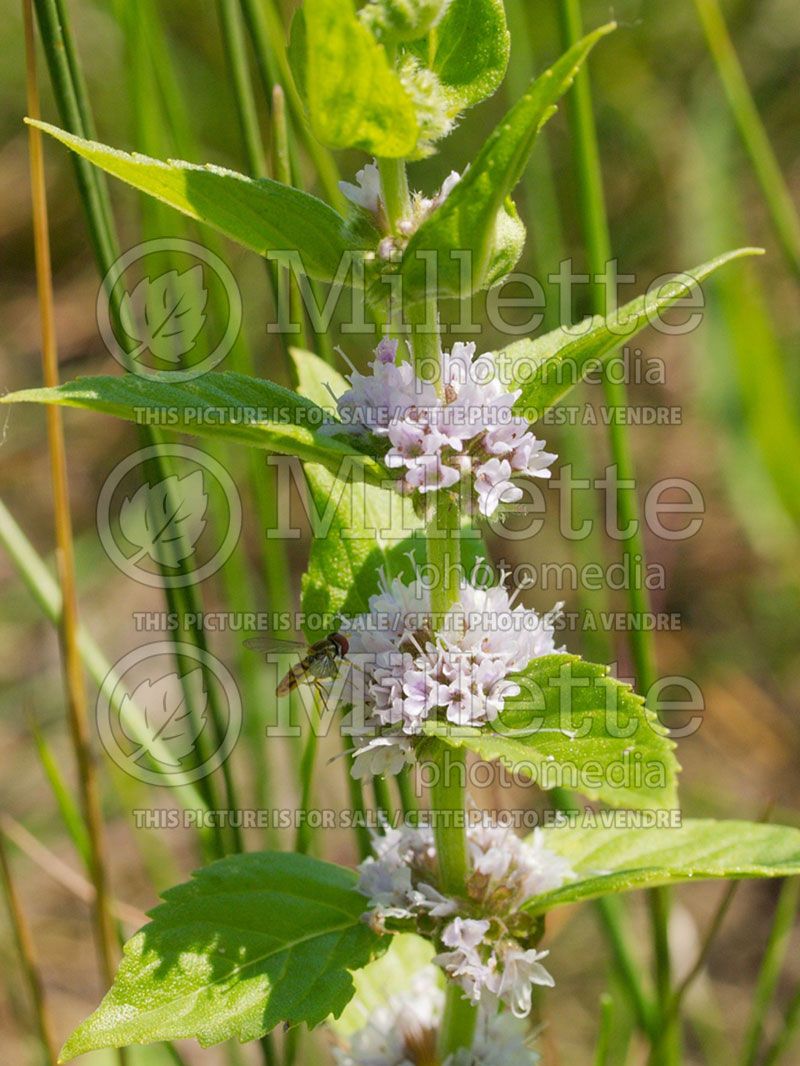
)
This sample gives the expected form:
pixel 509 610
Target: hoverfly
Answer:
pixel 319 662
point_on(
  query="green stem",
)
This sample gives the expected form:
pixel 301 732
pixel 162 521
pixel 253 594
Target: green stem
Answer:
pixel 448 796
pixel 233 40
pixel 396 194
pixel 769 974
pixel 458 1022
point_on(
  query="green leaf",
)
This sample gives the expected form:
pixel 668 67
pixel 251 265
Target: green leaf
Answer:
pixel 391 975
pixel 364 528
pixel 261 214
pixel 225 406
pixel 251 941
pixel 354 97
pixel 575 727
pixel 547 367
pixel 469 50
pixel 468 219
pixel 617 859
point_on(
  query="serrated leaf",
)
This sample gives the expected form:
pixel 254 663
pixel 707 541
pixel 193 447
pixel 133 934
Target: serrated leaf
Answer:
pixel 252 941
pixel 165 314
pixel 391 975
pixel 259 213
pixel 609 860
pixel 354 97
pixel 171 729
pixel 573 725
pixel 469 50
pixel 224 406
pixel 467 221
pixel 547 367
pixel 170 512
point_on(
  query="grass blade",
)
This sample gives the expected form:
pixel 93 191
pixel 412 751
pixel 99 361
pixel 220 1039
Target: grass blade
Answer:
pixel 75 690
pixel 27 956
pixel 782 210
pixel 774 955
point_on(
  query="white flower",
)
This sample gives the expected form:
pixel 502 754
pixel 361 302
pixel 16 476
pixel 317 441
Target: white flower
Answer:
pixel 461 673
pixel 381 755
pixel 436 440
pixel 464 963
pixel 487 961
pixel 525 868
pixel 519 972
pixel 366 194
pixel 489 970
pixel 403 1032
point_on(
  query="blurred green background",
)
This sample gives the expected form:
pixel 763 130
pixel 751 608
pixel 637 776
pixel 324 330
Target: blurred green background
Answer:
pixel 680 189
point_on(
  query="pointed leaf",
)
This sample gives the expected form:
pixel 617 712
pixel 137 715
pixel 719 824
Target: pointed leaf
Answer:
pixel 252 941
pixel 617 860
pixel 575 727
pixel 467 220
pixel 261 214
pixel 226 406
pixel 547 367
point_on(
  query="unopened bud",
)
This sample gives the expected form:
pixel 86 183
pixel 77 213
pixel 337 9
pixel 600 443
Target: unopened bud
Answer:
pixel 402 20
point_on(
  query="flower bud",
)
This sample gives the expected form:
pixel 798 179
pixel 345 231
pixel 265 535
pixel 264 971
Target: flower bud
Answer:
pixel 402 20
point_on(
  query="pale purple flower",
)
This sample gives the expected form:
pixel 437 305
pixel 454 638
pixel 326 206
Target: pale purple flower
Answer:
pixel 467 429
pixel 461 674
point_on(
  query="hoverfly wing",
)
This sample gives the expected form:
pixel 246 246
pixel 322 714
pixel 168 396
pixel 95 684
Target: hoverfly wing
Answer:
pixel 268 643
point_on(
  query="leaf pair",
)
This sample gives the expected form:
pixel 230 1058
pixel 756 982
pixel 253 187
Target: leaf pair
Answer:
pixel 263 938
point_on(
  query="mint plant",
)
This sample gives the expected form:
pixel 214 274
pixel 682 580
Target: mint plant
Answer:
pixel 435 441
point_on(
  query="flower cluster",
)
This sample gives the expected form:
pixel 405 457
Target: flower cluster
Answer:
pixel 402 1032
pixel 461 673
pixel 367 194
pixel 488 942
pixel 435 438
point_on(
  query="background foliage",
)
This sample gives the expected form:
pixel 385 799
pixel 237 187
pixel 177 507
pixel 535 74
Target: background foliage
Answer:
pixel 679 189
